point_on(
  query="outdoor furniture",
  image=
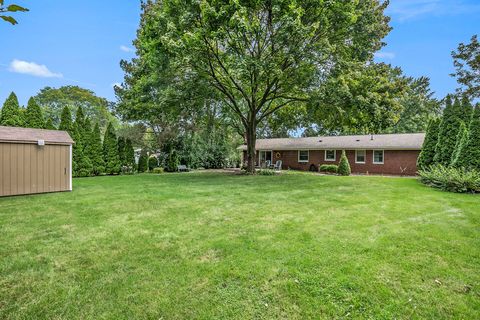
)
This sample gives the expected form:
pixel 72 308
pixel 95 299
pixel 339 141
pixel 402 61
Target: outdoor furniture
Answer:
pixel 267 164
pixel 182 167
pixel 278 165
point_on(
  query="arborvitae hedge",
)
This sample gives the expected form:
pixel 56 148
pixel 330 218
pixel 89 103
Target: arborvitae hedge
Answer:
pixel 129 154
pixel 428 149
pixel 469 154
pixel 110 151
pixel 66 123
pixel 462 138
pixel 344 165
pixel 34 115
pixel 452 117
pixel 143 161
pixel 12 115
pixel 96 152
pixel 172 161
pixel 121 151
pixel 49 124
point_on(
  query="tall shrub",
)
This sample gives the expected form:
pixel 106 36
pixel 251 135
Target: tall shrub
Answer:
pixel 427 154
pixel 121 151
pixel 143 161
pixel 110 151
pixel 469 154
pixel 447 136
pixel 49 124
pixel 344 165
pixel 129 154
pixel 12 115
pixel 34 115
pixel 462 138
pixel 66 123
pixel 172 161
pixel 96 151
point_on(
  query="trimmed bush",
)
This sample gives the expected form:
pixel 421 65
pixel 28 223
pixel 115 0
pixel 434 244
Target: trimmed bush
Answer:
pixel 266 172
pixel 152 162
pixel 172 161
pixel 157 170
pixel 330 168
pixel 143 161
pixel 344 165
pixel 428 149
pixel 451 179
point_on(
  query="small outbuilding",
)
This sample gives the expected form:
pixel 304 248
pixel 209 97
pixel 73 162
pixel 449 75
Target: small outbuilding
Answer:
pixel 34 161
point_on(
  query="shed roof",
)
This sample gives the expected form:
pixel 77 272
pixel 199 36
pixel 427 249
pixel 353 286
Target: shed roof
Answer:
pixel 406 141
pixel 29 135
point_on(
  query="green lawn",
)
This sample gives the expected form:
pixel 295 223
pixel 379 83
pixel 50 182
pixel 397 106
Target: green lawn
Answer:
pixel 212 245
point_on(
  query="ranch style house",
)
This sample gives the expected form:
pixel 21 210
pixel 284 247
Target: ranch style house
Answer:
pixel 389 154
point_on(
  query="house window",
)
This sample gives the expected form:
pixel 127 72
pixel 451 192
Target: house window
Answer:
pixel 378 156
pixel 303 155
pixel 330 155
pixel 360 156
pixel 265 155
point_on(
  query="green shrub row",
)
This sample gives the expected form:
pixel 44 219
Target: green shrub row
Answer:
pixel 266 172
pixel 157 170
pixel 451 179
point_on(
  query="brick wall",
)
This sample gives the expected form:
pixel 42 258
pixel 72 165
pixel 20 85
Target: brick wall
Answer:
pixel 393 163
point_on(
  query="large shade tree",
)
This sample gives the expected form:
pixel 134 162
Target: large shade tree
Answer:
pixel 258 56
pixel 467 67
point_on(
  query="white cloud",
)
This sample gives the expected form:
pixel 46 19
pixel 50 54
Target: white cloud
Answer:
pixel 402 10
pixel 384 55
pixel 126 49
pixel 33 69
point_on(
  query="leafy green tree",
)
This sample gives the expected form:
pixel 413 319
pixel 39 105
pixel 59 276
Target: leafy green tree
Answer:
pixel 110 151
pixel 129 154
pixel 469 154
pixel 66 122
pixel 121 151
pixel 12 114
pixel 427 155
pixel 152 162
pixel 49 124
pixel 172 161
pixel 447 136
pixel 466 61
pixel 344 165
pixel 12 8
pixel 33 115
pixel 258 57
pixel 462 138
pixel 96 152
pixel 143 161
pixel 53 100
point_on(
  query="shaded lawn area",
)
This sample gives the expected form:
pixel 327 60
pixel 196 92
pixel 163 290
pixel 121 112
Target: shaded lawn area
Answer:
pixel 213 245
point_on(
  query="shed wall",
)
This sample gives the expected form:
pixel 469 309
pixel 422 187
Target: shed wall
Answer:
pixel 29 168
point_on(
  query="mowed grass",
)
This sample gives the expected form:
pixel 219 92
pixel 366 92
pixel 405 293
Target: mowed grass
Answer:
pixel 213 245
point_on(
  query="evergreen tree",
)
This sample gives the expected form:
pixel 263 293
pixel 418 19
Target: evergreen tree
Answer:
pixel 49 124
pixel 152 162
pixel 344 165
pixel 447 136
pixel 110 151
pixel 427 154
pixel 82 167
pixel 34 115
pixel 66 123
pixel 121 151
pixel 96 151
pixel 172 160
pixel 80 118
pixel 143 161
pixel 462 138
pixel 467 110
pixel 12 114
pixel 129 154
pixel 469 154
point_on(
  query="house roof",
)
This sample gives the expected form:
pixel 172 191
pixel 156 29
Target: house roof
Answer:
pixel 29 135
pixel 406 141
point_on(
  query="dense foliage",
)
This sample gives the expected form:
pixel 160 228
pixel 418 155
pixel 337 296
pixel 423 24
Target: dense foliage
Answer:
pixel 12 115
pixel 468 153
pixel 110 151
pixel 467 67
pixel 451 179
pixel 330 168
pixel 143 161
pixel 34 115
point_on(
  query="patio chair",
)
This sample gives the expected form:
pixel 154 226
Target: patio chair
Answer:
pixel 278 165
pixel 267 164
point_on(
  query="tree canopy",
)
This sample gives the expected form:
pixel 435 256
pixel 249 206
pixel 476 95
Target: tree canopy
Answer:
pixel 466 61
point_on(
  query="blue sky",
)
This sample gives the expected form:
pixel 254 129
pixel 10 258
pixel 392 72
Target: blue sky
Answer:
pixel 81 42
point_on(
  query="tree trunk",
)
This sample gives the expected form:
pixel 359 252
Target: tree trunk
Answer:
pixel 251 154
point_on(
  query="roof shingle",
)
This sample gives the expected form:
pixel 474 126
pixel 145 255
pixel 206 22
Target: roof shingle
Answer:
pixel 406 141
pixel 29 135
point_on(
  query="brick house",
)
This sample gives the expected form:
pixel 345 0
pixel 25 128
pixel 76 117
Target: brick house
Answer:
pixel 393 154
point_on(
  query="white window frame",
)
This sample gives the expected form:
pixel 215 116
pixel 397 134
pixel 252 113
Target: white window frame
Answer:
pixel 364 156
pixel 383 156
pixel 334 155
pixel 308 156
